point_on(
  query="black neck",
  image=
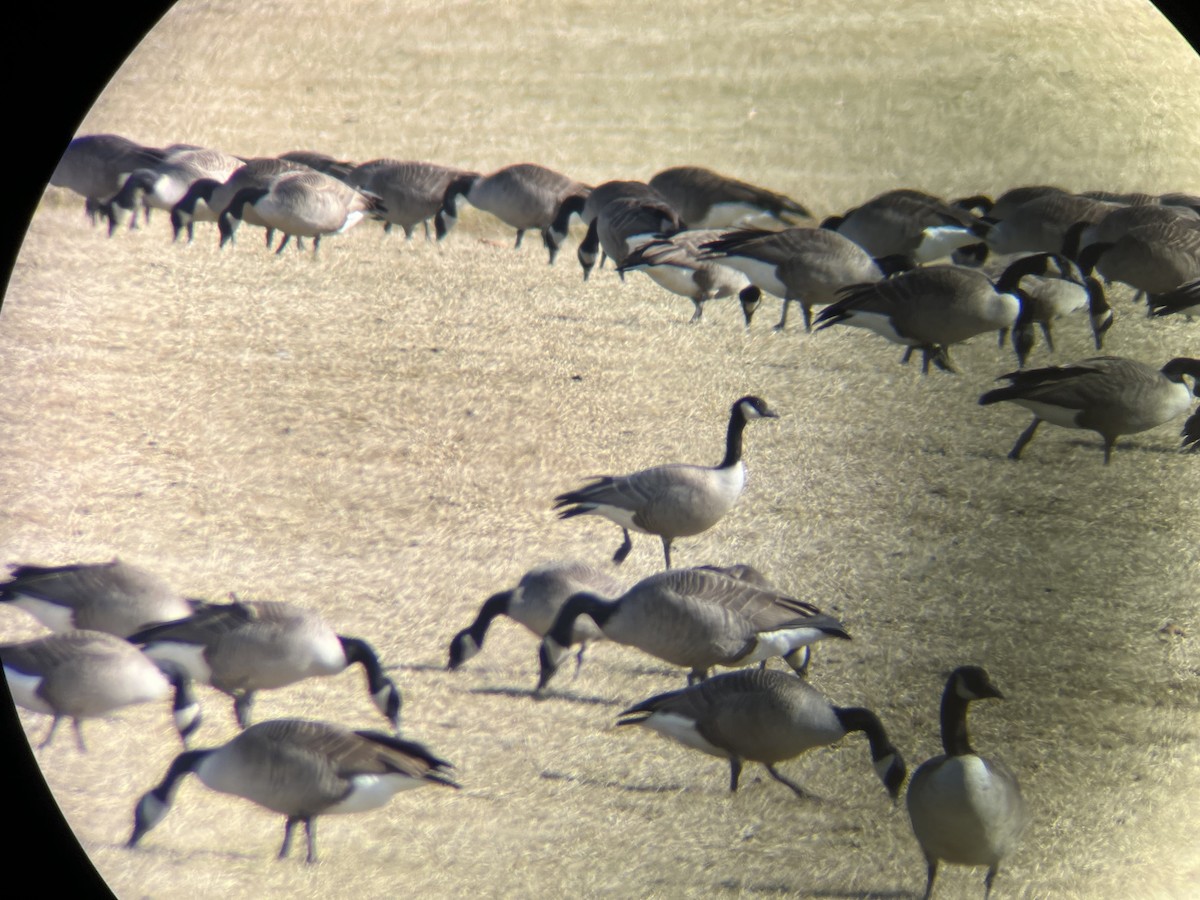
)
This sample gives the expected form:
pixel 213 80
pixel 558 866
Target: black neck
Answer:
pixel 495 605
pixel 1180 366
pixel 859 719
pixel 359 651
pixel 573 205
pixel 733 438
pixel 185 762
pixel 954 722
pixel 581 604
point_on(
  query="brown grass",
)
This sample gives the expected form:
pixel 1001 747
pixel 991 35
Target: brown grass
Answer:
pixel 377 433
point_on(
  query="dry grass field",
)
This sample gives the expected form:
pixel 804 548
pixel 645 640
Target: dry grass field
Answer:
pixel 378 433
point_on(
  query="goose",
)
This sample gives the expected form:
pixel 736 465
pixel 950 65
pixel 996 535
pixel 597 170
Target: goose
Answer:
pixel 1183 300
pixel 524 196
pixel 803 265
pixel 934 307
pixel 588 208
pixel 1007 202
pixel 623 224
pixel 115 597
pixel 244 647
pixel 763 716
pixel 305 203
pixel 674 500
pixel 82 674
pixel 1191 433
pixel 96 165
pixel 1154 258
pixel 1041 223
pixel 1110 395
pixel 301 769
pixel 164 185
pixel 965 809
pixel 414 192
pixel 1120 220
pixel 908 223
pixel 534 603
pixel 217 195
pixel 696 618
pixel 675 263
pixel 707 199
pixel 322 162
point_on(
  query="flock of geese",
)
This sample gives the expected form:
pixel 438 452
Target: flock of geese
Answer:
pixel 923 272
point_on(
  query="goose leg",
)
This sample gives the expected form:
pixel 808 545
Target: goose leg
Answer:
pixel 1025 438
pixel 282 244
pixel 666 542
pixel 49 734
pixel 931 874
pixel 579 659
pixel 520 235
pixel 316 244
pixel 78 725
pixel 241 708
pixel 799 791
pixel 549 244
pixel 270 237
pixel 623 550
pixel 806 308
pixel 735 773
pixel 783 316
pixel 1109 443
pixel 1049 337
pixel 699 313
pixel 287 836
pixel 310 831
pixel 907 356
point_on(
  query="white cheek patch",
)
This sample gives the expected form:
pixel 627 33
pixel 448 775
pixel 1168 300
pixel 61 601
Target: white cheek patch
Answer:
pixel 54 616
pixel 24 690
pixel 189 657
pixel 682 729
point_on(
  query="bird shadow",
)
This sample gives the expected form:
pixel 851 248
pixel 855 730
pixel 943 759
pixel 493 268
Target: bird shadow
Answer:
pixel 550 775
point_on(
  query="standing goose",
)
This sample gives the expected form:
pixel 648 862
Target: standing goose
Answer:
pixel 676 264
pixel 524 196
pixel 414 192
pixel 114 597
pixel 84 674
pixel 696 618
pixel 933 307
pixel 166 184
pixel 301 769
pixel 801 265
pixel 706 199
pixel 763 716
pixel 965 809
pixel 674 500
pixel 1109 395
pixel 304 204
pixel 535 602
pixel 96 165
pixel 248 646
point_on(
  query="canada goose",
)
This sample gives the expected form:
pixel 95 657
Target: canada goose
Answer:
pixel 1006 203
pixel 305 203
pixel 322 162
pixel 675 263
pixel 706 199
pixel 908 223
pixel 524 196
pixel 301 769
pixel 164 185
pixel 216 195
pixel 1041 223
pixel 1052 288
pixel 414 192
pixel 1183 300
pixel 1109 395
pixel 85 674
pixel 535 602
pixel 803 265
pixel 248 646
pixel 588 209
pixel 696 618
pixel 934 307
pixel 1191 433
pixel 965 809
pixel 115 596
pixel 1121 219
pixel 674 500
pixel 96 165
pixel 623 224
pixel 763 716
pixel 1154 258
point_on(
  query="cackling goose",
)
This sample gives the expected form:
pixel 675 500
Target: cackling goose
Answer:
pixel 706 199
pixel 765 717
pixel 965 809
pixel 84 674
pixel 217 195
pixel 1109 395
pixel 248 646
pixel 696 618
pixel 674 500
pixel 96 165
pixel 414 192
pixel 907 223
pixel 164 185
pixel 301 769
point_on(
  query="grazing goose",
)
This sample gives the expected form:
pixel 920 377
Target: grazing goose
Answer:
pixel 1109 395
pixel 217 195
pixel 1155 258
pixel 1183 300
pixel 322 162
pixel 934 307
pixel 803 265
pixel 414 192
pixel 86 674
pixel 624 224
pixel 301 769
pixel 305 204
pixel 965 809
pixel 164 185
pixel 1006 203
pixel 114 597
pixel 706 199
pixel 535 602
pixel 907 223
pixel 674 500
pixel 765 717
pixel 1041 223
pixel 1120 220
pixel 588 209
pixel 96 165
pixel 1053 288
pixel 675 263
pixel 524 196
pixel 1191 433
pixel 248 646
pixel 696 618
